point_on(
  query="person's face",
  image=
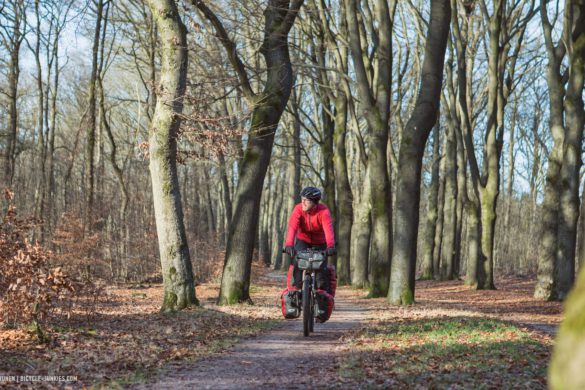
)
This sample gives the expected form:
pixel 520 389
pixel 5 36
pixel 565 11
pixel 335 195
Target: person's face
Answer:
pixel 307 204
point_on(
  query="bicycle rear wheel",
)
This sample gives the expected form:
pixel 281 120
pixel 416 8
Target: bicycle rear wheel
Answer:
pixel 307 307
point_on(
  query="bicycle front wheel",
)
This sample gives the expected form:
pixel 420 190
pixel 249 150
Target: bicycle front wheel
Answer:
pixel 307 307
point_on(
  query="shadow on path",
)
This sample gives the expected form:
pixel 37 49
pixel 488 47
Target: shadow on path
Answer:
pixel 279 358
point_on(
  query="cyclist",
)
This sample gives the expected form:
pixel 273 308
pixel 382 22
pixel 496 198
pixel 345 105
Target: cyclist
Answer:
pixel 310 223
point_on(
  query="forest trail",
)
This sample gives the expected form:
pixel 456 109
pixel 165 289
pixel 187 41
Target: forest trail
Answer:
pixel 367 343
pixel 279 358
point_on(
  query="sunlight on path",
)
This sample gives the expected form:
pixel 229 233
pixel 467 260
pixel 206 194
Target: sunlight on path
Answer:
pixel 279 358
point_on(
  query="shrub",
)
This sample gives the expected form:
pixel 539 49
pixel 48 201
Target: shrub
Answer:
pixel 29 285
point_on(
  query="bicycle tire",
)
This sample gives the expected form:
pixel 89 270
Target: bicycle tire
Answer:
pixel 312 317
pixel 307 309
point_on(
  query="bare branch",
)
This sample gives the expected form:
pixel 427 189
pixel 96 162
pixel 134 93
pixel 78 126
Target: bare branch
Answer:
pixel 230 48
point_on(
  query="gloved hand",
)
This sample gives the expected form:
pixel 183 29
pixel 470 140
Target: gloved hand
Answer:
pixel 290 250
pixel 331 251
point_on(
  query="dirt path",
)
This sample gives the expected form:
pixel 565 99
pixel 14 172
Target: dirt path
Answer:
pixel 280 358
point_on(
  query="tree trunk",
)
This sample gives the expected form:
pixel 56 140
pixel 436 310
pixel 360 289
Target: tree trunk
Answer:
pixel 375 102
pixel 503 252
pixel 488 198
pixel 19 18
pixel 568 359
pixel 294 172
pixel 92 121
pixel 225 189
pixel 344 193
pixel 438 237
pixel 489 190
pixel 174 250
pixel 263 247
pixel 461 200
pixel 450 204
pixel 556 260
pixel 411 152
pixel 474 255
pixel 235 281
pixel 381 209
pixel 40 189
pixel 360 234
pixel 51 208
pixel 328 124
pixel 581 253
pixel 431 220
pixel 279 226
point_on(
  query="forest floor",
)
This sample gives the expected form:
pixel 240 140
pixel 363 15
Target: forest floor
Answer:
pixel 452 337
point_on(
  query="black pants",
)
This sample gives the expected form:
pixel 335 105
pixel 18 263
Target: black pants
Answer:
pixel 322 276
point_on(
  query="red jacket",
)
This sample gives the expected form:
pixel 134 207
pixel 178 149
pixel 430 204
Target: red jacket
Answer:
pixel 314 227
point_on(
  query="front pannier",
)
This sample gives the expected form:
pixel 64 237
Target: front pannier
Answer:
pixel 325 303
pixel 290 299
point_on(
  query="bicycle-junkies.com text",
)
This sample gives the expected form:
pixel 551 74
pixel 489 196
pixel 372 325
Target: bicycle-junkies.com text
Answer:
pixel 37 378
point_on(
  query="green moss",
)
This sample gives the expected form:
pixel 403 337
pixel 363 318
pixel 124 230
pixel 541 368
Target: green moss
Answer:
pixel 251 156
pixel 167 187
pixel 236 293
pixel 566 369
pixel 407 296
pixel 169 302
pixel 575 309
pixel 379 283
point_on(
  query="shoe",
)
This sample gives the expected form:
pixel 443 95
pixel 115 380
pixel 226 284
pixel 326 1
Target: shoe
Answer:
pixel 295 298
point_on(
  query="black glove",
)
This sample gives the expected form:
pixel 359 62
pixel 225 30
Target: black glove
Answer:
pixel 290 250
pixel 331 251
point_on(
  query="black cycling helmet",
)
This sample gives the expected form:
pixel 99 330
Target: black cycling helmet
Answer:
pixel 312 193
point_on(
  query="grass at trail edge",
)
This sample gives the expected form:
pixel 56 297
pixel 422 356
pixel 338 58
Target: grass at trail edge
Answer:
pixel 448 352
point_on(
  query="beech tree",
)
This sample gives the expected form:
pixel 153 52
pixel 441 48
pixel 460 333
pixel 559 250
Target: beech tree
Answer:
pixel 565 370
pixel 173 247
pixel 268 107
pixel 374 94
pixel 411 151
pixel 556 257
pixel 12 34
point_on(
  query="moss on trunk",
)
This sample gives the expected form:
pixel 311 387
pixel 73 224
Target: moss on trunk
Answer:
pixel 173 248
pixel 566 368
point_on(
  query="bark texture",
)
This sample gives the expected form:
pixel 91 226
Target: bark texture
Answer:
pixel 412 146
pixel 375 103
pixel 566 368
pixel 431 219
pixel 269 105
pixel 556 258
pixel 344 193
pixel 174 250
pixel 360 235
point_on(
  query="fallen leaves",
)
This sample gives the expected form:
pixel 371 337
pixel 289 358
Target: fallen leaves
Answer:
pixel 128 335
pixel 454 338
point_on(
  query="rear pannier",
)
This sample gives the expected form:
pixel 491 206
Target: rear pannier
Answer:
pixel 290 303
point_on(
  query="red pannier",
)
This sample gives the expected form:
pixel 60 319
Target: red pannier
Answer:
pixel 325 303
pixel 289 300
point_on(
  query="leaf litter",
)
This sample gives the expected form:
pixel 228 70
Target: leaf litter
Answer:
pixel 453 337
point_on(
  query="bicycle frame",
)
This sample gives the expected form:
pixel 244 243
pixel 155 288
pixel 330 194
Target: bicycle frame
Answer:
pixel 310 266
